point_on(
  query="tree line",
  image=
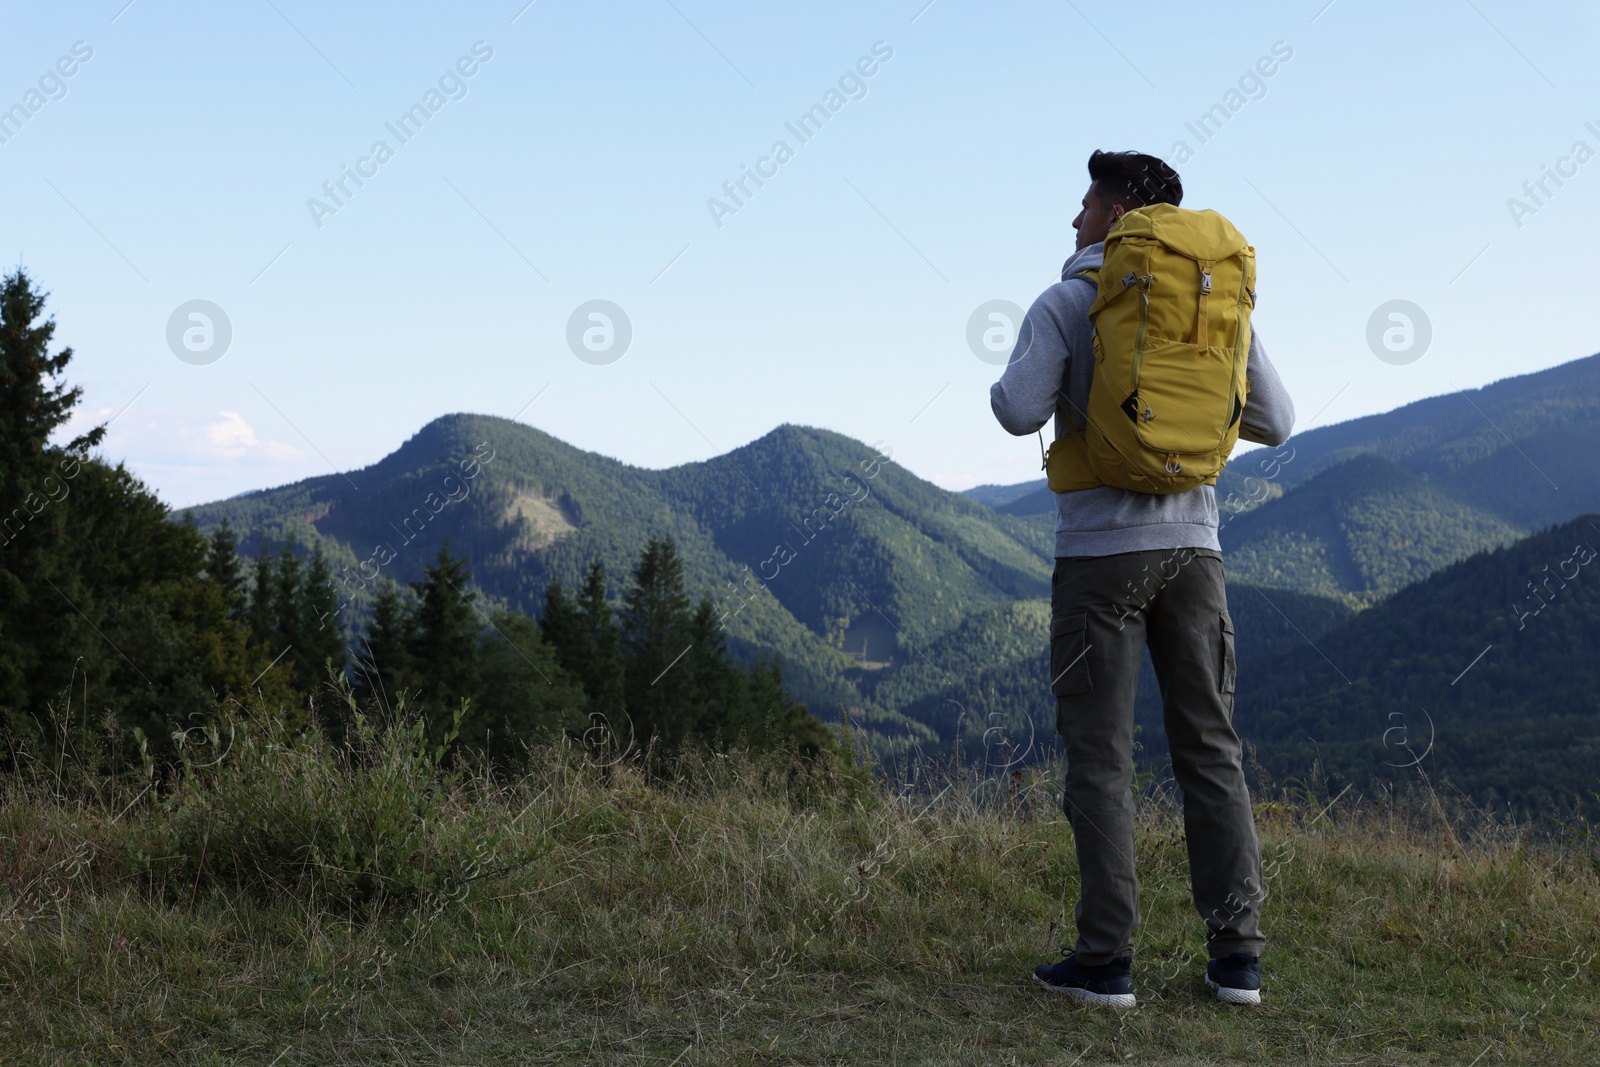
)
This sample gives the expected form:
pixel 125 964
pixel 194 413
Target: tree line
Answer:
pixel 134 628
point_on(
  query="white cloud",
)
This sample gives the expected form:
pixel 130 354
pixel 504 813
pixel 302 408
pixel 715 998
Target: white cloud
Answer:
pixel 230 437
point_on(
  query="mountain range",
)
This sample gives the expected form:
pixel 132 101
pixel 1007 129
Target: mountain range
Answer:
pixel 923 613
pixel 1360 508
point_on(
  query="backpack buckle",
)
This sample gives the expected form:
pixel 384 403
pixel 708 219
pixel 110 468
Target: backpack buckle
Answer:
pixel 1173 466
pixel 1129 279
pixel 1205 283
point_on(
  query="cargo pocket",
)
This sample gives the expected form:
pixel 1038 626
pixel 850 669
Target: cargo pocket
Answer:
pixel 1225 679
pixel 1069 655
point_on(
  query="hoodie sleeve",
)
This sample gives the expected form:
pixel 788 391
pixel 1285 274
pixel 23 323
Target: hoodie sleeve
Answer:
pixel 1024 398
pixel 1268 412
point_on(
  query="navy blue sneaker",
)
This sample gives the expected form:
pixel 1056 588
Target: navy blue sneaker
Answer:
pixel 1109 986
pixel 1236 978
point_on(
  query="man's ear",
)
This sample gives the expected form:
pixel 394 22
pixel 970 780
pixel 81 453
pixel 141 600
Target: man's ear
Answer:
pixel 1117 211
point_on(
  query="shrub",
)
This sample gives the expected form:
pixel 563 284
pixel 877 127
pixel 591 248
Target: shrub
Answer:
pixel 378 817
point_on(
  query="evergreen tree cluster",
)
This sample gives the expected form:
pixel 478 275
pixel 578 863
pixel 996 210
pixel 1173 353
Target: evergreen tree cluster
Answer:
pixel 434 643
pixel 654 675
pixel 665 668
pixel 109 612
pixel 291 609
pixel 114 616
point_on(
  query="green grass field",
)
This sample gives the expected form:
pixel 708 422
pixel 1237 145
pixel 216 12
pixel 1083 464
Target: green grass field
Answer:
pixel 280 908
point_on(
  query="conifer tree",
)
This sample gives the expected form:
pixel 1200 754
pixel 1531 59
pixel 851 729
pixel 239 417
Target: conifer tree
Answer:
pixel 654 638
pixel 320 629
pixel 522 691
pixel 99 589
pixel 605 680
pixel 561 626
pixel 445 644
pixel 223 568
pixel 719 696
pixel 783 720
pixel 262 614
pixel 288 586
pixel 37 622
pixel 383 658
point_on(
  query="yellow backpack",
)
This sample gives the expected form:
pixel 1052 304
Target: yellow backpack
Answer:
pixel 1171 345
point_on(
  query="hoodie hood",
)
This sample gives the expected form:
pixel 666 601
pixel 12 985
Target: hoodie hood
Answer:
pixel 1088 258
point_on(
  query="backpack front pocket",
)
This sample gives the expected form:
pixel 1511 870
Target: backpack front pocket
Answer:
pixel 1182 397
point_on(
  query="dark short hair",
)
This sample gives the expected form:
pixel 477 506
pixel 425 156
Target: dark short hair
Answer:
pixel 1134 179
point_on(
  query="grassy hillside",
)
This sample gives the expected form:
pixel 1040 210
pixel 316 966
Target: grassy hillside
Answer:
pixel 740 914
pixel 1484 675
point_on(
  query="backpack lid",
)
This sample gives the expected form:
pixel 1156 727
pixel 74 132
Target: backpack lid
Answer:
pixel 1202 235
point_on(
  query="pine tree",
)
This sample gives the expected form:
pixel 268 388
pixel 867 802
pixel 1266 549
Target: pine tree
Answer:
pixel 522 692
pixel 34 398
pixel 223 568
pixel 561 626
pixel 262 614
pixel 290 575
pixel 718 690
pixel 655 636
pixel 445 645
pixel 586 642
pixel 321 633
pixel 383 659
pixel 38 623
pixel 782 720
pixel 605 681
pixel 99 589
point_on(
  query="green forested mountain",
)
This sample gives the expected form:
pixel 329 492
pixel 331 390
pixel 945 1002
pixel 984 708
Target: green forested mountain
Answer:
pixel 1444 438
pixel 1360 530
pixel 999 496
pixel 1491 661
pixel 811 545
pixel 924 613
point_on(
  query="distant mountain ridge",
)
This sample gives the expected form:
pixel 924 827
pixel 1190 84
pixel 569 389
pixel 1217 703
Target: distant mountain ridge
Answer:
pixel 811 544
pixel 1485 674
pixel 924 614
pixel 1491 464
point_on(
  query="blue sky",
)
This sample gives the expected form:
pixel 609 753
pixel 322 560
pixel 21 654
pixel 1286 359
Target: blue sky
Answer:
pixel 576 163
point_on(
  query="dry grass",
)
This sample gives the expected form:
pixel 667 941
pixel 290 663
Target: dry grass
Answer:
pixel 737 914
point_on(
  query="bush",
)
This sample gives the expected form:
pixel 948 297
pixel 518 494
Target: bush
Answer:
pixel 378 817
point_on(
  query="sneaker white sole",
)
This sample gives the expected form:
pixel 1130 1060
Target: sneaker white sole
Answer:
pixel 1104 1000
pixel 1234 996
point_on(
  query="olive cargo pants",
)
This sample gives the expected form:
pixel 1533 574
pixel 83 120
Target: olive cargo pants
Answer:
pixel 1104 610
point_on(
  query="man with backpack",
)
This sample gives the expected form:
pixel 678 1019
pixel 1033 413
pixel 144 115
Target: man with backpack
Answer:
pixel 1145 355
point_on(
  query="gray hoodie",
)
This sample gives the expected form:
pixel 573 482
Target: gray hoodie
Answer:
pixel 1055 350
